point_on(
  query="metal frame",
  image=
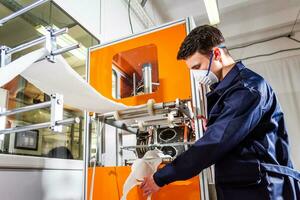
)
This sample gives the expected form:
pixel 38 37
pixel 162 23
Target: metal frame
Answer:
pixel 50 44
pixel 151 30
pixel 198 102
pixel 133 120
pixel 55 124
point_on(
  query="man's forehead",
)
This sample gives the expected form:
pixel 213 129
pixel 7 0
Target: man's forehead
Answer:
pixel 196 57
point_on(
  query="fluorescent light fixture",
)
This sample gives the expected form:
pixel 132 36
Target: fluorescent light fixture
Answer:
pixel 140 12
pixel 212 11
pixel 66 40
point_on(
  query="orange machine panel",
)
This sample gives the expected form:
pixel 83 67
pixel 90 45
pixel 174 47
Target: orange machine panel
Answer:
pixel 109 183
pixel 173 75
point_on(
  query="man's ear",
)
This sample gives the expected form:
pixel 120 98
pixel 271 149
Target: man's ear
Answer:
pixel 217 54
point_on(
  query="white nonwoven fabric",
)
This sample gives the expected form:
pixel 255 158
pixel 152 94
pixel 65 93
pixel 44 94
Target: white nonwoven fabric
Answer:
pixel 15 68
pixel 60 78
pixel 140 169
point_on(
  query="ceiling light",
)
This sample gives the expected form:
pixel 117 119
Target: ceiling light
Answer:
pixel 212 11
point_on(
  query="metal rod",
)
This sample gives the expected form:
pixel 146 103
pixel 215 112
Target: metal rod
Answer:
pixel 26 109
pixel 68 121
pixel 27 45
pixel 134 83
pixel 163 121
pixel 39 126
pixel 20 12
pixel 121 125
pixel 147 77
pixel 142 111
pixel 60 32
pixel 37 41
pixel 65 49
pixel 157 145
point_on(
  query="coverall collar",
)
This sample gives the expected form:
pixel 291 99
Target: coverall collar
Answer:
pixel 221 86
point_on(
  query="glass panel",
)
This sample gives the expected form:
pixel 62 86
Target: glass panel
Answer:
pixel 29 26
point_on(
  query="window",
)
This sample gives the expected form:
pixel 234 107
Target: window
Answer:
pixel 31 25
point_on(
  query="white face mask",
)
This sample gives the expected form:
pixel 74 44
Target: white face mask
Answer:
pixel 202 77
pixel 206 77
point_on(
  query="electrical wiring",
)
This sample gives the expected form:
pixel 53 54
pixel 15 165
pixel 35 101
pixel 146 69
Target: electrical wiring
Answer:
pixel 129 16
pixel 269 54
pixel 288 35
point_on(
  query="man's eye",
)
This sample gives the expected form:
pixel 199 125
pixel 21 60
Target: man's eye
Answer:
pixel 197 67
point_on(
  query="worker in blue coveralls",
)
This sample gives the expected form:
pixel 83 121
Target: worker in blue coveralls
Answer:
pixel 245 134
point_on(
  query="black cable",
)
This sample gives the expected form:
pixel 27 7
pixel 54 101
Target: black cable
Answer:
pixel 258 42
pixel 267 40
pixel 294 39
pixel 292 30
pixel 129 16
pixel 269 54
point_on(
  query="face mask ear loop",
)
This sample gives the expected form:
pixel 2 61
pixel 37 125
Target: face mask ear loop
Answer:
pixel 210 60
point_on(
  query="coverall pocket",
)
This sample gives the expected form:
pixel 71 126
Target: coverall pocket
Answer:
pixel 239 174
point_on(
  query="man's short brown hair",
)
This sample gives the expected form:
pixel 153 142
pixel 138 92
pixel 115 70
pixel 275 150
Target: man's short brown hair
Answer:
pixel 201 39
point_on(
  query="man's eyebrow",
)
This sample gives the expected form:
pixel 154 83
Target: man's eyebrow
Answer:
pixel 197 66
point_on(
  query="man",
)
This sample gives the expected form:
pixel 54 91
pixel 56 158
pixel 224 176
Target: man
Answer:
pixel 245 134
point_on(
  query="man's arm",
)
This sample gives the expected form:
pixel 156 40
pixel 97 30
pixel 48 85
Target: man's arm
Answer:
pixel 241 113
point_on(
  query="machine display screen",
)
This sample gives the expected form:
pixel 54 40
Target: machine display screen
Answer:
pixel 27 140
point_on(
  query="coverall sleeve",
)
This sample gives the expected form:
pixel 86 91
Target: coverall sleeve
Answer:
pixel 241 113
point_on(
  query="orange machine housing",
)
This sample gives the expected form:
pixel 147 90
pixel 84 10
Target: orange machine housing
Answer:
pixel 174 80
pixel 109 183
pixel 173 75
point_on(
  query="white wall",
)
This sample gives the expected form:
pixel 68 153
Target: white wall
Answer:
pixel 105 19
pixel 85 12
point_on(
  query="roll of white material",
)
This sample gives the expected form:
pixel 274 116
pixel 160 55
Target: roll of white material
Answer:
pixel 15 68
pixel 140 169
pixel 60 78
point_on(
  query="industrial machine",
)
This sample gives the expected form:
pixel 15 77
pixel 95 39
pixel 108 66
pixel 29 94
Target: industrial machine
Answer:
pixel 141 71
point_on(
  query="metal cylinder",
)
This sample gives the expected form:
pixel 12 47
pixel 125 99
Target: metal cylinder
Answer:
pixel 27 45
pixel 39 126
pixel 20 12
pixel 2 56
pixel 26 109
pixel 147 77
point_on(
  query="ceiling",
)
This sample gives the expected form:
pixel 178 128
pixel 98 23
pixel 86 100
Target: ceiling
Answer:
pixel 241 20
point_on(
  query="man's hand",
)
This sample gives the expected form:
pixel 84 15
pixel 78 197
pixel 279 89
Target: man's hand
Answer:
pixel 204 122
pixel 149 186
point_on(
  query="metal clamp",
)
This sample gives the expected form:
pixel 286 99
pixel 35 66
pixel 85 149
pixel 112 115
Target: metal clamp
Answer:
pixel 57 110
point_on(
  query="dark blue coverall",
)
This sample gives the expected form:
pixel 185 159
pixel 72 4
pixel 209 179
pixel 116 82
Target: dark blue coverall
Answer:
pixel 246 139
